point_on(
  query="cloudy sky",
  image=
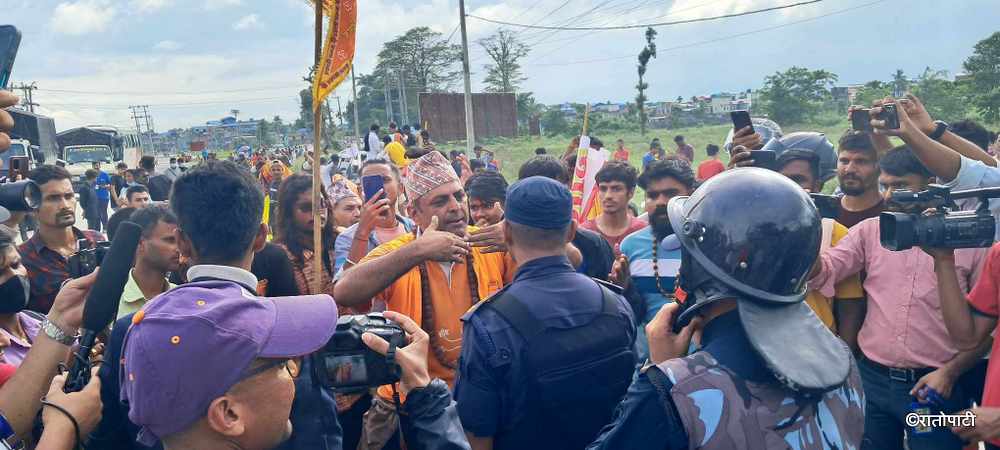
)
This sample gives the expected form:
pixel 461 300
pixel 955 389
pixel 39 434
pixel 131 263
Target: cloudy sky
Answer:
pixel 194 60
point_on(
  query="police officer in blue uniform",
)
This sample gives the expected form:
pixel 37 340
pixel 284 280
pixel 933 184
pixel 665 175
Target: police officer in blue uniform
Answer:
pixel 769 374
pixel 546 360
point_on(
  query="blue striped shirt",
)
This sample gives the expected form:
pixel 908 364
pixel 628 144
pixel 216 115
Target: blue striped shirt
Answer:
pixel 638 248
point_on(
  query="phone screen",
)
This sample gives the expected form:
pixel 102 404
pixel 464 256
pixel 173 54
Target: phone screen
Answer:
pixel 10 40
pixel 371 184
pixel 741 120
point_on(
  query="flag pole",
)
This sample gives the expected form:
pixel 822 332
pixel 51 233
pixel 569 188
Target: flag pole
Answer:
pixel 586 117
pixel 316 182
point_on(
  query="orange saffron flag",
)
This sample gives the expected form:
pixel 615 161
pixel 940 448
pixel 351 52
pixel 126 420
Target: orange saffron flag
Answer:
pixel 338 49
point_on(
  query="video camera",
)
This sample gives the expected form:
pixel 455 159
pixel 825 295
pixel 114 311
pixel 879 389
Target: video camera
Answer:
pixel 348 365
pixel 21 195
pixel 87 258
pixel 944 229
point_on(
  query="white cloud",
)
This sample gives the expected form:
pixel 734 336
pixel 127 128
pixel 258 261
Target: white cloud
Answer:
pixel 167 45
pixel 148 6
pixel 247 22
pixel 82 17
pixel 212 5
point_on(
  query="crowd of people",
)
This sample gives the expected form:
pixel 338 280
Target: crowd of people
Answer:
pixel 720 312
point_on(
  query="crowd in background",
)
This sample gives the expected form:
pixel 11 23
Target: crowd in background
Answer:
pixel 587 356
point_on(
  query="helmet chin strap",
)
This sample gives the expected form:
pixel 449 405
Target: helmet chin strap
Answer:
pixel 702 290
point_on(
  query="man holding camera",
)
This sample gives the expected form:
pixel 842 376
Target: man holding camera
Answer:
pixel 969 320
pixel 516 337
pixel 221 248
pixel 46 255
pixel 433 276
pixel 906 349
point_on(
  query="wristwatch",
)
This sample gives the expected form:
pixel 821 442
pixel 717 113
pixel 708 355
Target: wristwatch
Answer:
pixel 942 126
pixel 57 334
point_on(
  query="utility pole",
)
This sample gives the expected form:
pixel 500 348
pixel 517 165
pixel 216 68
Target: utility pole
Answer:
pixel 27 99
pixel 354 90
pixel 388 99
pixel 138 128
pixel 470 131
pixel 340 112
pixel 402 97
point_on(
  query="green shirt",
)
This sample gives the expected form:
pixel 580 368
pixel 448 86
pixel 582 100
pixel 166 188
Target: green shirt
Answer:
pixel 132 298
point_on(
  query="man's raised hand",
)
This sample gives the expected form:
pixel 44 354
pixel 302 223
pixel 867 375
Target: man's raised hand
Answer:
pixel 441 245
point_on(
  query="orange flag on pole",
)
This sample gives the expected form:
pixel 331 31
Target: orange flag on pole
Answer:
pixel 338 49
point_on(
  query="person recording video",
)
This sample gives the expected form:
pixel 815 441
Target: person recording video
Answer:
pixel 226 397
pixel 903 356
pixel 46 254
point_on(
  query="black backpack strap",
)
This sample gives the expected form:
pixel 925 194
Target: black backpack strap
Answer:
pixel 513 310
pixel 607 300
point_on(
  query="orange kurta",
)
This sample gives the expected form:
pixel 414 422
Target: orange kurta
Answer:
pixel 451 300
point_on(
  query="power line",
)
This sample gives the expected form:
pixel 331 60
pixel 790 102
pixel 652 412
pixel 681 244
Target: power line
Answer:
pixel 723 38
pixel 168 105
pixel 72 91
pixel 452 34
pixel 660 24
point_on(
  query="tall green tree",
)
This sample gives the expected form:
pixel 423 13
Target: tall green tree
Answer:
pixel 942 97
pixel 900 84
pixel 983 68
pixel 506 51
pixel 425 62
pixel 648 52
pixel 871 91
pixel 796 95
pixel 554 122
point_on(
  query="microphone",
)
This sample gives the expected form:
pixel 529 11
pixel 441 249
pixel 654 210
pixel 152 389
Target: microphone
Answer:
pixel 101 305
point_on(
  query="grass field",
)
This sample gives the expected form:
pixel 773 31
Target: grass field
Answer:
pixel 513 152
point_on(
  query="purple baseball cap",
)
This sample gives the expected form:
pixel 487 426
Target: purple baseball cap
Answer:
pixel 192 344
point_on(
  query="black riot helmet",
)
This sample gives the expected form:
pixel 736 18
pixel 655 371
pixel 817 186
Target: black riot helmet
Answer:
pixel 811 142
pixel 753 235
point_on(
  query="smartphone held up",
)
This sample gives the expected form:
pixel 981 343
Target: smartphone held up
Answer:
pixel 10 40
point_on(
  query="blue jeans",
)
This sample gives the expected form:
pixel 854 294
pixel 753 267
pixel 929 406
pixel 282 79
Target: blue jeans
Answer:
pixel 887 401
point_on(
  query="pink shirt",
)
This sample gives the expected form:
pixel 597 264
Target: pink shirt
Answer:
pixel 903 327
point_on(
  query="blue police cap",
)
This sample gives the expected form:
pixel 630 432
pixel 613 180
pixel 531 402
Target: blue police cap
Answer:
pixel 539 202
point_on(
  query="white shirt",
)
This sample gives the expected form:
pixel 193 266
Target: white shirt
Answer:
pixel 234 274
pixel 973 175
pixel 375 145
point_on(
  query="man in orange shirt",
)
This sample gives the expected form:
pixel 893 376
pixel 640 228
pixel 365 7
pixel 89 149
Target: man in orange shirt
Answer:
pixel 432 276
pixel 711 166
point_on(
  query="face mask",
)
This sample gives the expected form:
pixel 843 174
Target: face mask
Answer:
pixel 14 294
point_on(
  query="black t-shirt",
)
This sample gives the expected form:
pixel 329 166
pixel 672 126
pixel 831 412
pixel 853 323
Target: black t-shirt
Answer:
pixel 272 267
pixel 597 254
pixel 852 218
pixel 119 183
pixel 159 187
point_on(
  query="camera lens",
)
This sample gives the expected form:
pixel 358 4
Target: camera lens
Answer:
pixel 20 196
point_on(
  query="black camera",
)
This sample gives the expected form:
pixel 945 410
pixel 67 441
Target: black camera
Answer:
pixel 827 205
pixel 87 258
pixel 943 229
pixel 21 195
pixel 348 365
